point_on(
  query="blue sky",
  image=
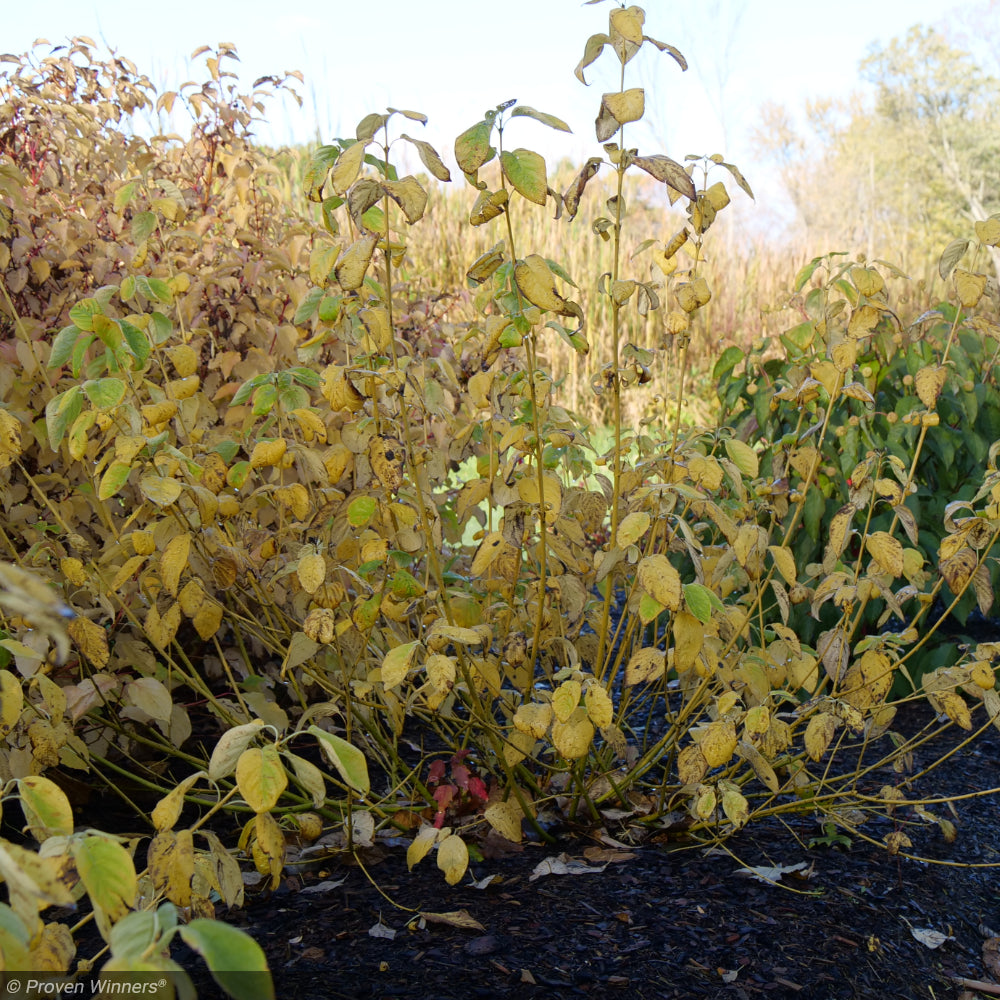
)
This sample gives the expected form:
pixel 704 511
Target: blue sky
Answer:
pixel 453 59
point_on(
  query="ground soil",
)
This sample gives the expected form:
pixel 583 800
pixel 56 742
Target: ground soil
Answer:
pixel 658 922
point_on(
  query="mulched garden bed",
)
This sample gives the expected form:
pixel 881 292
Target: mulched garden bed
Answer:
pixel 658 922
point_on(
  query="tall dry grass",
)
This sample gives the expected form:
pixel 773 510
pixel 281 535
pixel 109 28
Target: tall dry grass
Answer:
pixel 752 281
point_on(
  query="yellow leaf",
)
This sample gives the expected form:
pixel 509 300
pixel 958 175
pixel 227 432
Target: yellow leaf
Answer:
pixel 533 719
pixel 734 805
pixel 617 109
pixel 886 551
pixel 573 737
pixel 691 765
pixel 489 550
pixel 191 597
pixel 838 535
pixel 819 734
pixel 689 636
pixel 167 811
pixel 231 745
pixel 173 561
pixel 161 490
pixel 453 858
pixel 959 568
pixel 970 287
pixel 341 393
pixel 91 640
pixel 868 680
pixel 266 453
pixel 184 358
pixel 312 426
pixel 645 665
pixel 565 699
pixel 396 663
pixel 294 498
pixel 421 845
pixel 346 169
pixel 353 264
pixel 268 848
pixel 867 281
pixel 207 620
pixel 600 707
pixel 955 708
pixel 11 701
pixel 261 777
pixel 718 742
pixel 660 580
pixel 706 802
pixel 760 765
pixel 311 572
pixel 505 818
pixel 743 457
pixel 632 528
pixel 785 561
pixel 150 696
pixel 988 232
pixel 144 544
pixel 929 381
pixel 53 950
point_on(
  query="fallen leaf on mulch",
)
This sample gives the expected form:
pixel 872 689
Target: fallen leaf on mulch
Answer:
pixel 454 918
pixel 380 930
pixel 932 939
pixel 563 865
pixel 773 873
pixel 325 886
pixel 991 956
pixel 595 855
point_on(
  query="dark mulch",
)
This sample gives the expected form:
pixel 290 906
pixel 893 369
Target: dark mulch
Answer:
pixel 664 923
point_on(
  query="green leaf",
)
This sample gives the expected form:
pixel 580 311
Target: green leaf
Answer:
pixel 700 601
pixel 307 307
pixel 802 278
pixel 107 872
pixel 953 253
pixel 124 195
pixel 306 376
pixel 728 360
pixel 244 392
pixel 264 399
pixel 160 328
pixel 46 808
pixel 472 147
pixel 143 223
pixel 743 457
pixel 83 313
pixel 429 157
pixel 113 480
pixel 360 511
pixel 137 342
pixel 105 393
pixel 133 934
pixel 160 290
pixel 540 116
pixel 62 346
pixel 60 412
pixel 525 169
pixel 593 48
pixel 345 757
pixel 236 961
